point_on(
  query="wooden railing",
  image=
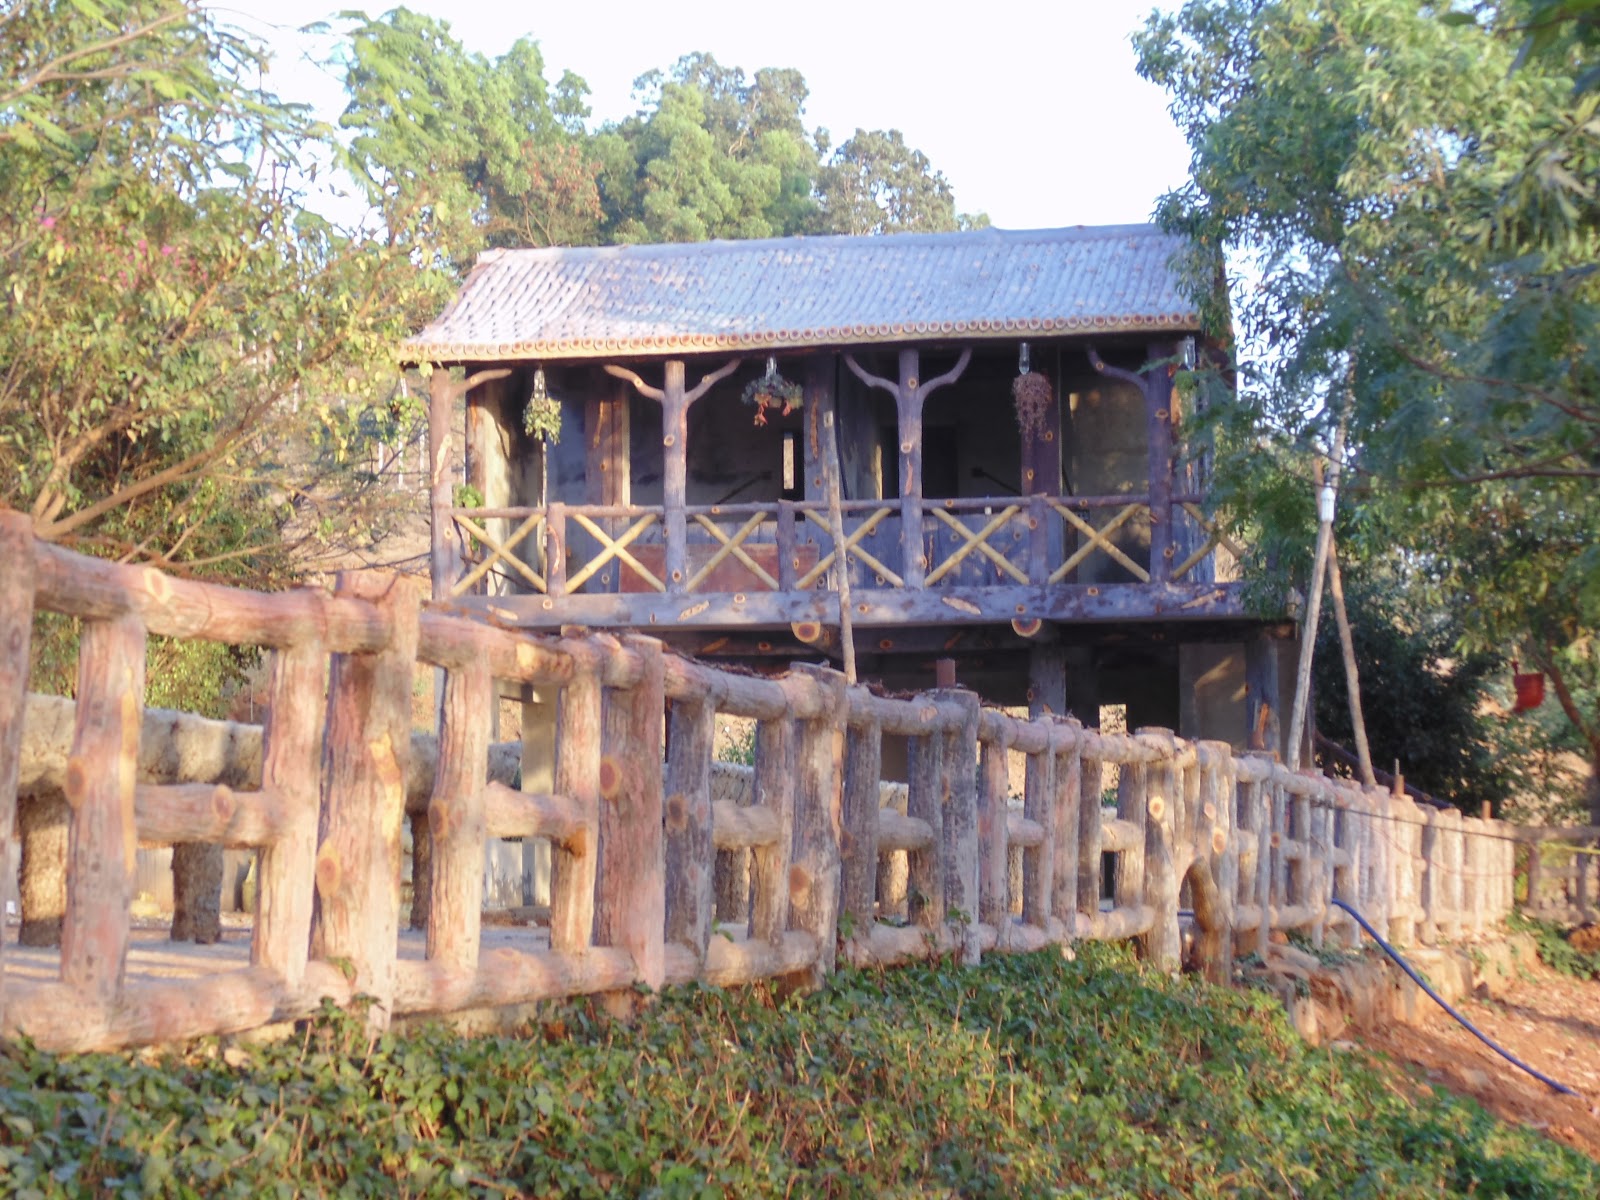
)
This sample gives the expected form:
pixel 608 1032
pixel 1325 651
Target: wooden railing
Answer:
pixel 1247 844
pixel 1563 871
pixel 786 546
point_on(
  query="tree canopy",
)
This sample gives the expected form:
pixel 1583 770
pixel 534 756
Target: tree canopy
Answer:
pixel 1409 190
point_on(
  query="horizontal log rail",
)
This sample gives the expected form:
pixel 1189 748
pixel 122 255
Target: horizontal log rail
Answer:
pixel 839 860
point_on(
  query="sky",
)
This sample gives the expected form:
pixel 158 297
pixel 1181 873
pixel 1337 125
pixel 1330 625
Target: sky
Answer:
pixel 1033 111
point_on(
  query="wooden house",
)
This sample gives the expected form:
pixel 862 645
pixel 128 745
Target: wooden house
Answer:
pixel 1060 555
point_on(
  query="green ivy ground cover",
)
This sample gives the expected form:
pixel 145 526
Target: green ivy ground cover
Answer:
pixel 1028 1076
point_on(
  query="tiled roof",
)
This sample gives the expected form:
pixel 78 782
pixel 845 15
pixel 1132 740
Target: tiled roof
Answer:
pixel 789 292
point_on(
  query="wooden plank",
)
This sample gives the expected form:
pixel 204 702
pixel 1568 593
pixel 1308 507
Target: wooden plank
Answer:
pixel 630 903
pixel 457 821
pixel 356 915
pixel 815 867
pixel 690 853
pixel 858 840
pixel 16 629
pixel 102 839
pixel 774 789
pixel 579 757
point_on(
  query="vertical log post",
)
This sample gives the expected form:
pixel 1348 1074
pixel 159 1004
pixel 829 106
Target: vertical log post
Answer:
pixel 1068 821
pixel 858 844
pixel 1279 801
pixel 924 800
pixel 16 631
pixel 291 754
pixel 1535 877
pixel 1404 832
pixel 908 413
pixel 1347 865
pixel 1319 846
pixel 675 474
pixel 1162 945
pixel 102 840
pixel 1259 804
pixel 1039 863
pixel 630 903
pixel 1159 397
pixel 1091 837
pixel 814 874
pixel 366 748
pixel 1474 872
pixel 774 789
pixel 574 867
pixel 1216 888
pixel 960 768
pixel 1380 848
pixel 1453 846
pixel 994 904
pixel 690 854
pixel 1431 888
pixel 445 553
pixel 1262 704
pixel 1128 885
pixel 456 822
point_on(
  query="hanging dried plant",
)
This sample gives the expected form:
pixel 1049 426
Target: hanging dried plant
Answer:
pixel 772 391
pixel 1033 396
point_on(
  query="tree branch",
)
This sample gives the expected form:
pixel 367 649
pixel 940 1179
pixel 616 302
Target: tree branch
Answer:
pixel 643 388
pixel 870 379
pixel 711 380
pixel 950 376
pixel 1104 368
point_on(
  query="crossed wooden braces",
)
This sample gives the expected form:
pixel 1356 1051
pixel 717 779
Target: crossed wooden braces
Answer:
pixel 979 541
pixel 502 553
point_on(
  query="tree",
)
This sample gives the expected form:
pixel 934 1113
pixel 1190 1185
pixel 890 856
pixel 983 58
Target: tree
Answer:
pixel 1419 228
pixel 875 183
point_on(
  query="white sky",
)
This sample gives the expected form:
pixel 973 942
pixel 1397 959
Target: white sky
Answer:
pixel 1032 110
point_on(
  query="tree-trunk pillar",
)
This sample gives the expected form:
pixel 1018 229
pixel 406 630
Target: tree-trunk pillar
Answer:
pixel 357 912
pixel 196 893
pixel 908 409
pixel 445 547
pixel 16 630
pixel 815 857
pixel 675 474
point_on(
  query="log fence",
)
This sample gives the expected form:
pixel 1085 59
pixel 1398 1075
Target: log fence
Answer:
pixel 1207 852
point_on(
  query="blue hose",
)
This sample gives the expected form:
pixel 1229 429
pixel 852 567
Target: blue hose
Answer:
pixel 1444 1004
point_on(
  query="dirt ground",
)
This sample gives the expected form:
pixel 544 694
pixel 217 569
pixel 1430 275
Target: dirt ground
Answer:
pixel 1549 1021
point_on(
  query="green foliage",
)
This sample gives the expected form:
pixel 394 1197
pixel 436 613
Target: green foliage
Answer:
pixel 1555 950
pixel 1413 193
pixel 1027 1076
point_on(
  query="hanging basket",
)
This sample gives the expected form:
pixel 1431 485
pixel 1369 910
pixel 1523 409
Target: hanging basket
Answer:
pixel 1529 688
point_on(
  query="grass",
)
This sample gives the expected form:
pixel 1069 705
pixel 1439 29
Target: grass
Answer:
pixel 1029 1075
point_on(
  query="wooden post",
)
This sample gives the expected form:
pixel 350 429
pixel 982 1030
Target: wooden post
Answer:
pixel 1261 694
pixel 1451 845
pixel 445 555
pixel 456 822
pixel 367 747
pixel 675 474
pixel 1259 804
pixel 1162 945
pixel 573 868
pixel 1431 889
pixel 1215 839
pixel 102 840
pixel 555 549
pixel 1039 863
pixel 1281 897
pixel 1301 871
pixel 1067 822
pixel 924 800
pixel 858 843
pixel 774 788
pixel 16 629
pixel 630 903
pixel 994 904
pixel 814 874
pixel 291 756
pixel 689 851
pixel 1535 877
pixel 1128 886
pixel 1474 870
pixel 1090 836
pixel 960 768
pixel 1347 847
pixel 1159 397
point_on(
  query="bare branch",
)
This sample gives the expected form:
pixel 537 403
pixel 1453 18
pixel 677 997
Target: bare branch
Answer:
pixel 870 379
pixel 950 376
pixel 711 380
pixel 643 388
pixel 1105 368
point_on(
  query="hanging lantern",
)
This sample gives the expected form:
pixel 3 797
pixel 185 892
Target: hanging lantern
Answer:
pixel 1529 687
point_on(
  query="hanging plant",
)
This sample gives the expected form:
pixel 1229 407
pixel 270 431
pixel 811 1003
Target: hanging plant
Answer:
pixel 1033 396
pixel 542 417
pixel 772 391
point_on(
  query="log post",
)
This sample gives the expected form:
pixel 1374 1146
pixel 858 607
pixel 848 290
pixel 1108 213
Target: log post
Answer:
pixel 1258 803
pixel 1091 870
pixel 858 843
pixel 196 893
pixel 908 412
pixel 1431 889
pixel 555 549
pixel 1067 822
pixel 814 875
pixel 367 748
pixel 445 555
pixel 1262 704
pixel 1159 399
pixel 994 905
pixel 1039 863
pixel 16 631
pixel 773 788
pixel 630 902
pixel 1452 847
pixel 102 840
pixel 1163 944
pixel 456 821
pixel 1347 864
pixel 960 790
pixel 925 904
pixel 573 867
pixel 675 474
pixel 1535 877
pixel 1214 851
pixel 1128 885
pixel 690 854
pixel 1278 799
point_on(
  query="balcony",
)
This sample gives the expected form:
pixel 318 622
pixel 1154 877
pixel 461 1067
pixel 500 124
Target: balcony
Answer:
pixel 1022 560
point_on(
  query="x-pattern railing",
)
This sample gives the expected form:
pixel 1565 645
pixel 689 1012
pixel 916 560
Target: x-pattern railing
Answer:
pixel 852 546
pixel 1099 539
pixel 501 552
pixel 1215 539
pixel 977 540
pixel 732 547
pixel 614 548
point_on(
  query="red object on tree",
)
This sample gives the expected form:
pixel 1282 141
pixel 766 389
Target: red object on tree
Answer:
pixel 1529 688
